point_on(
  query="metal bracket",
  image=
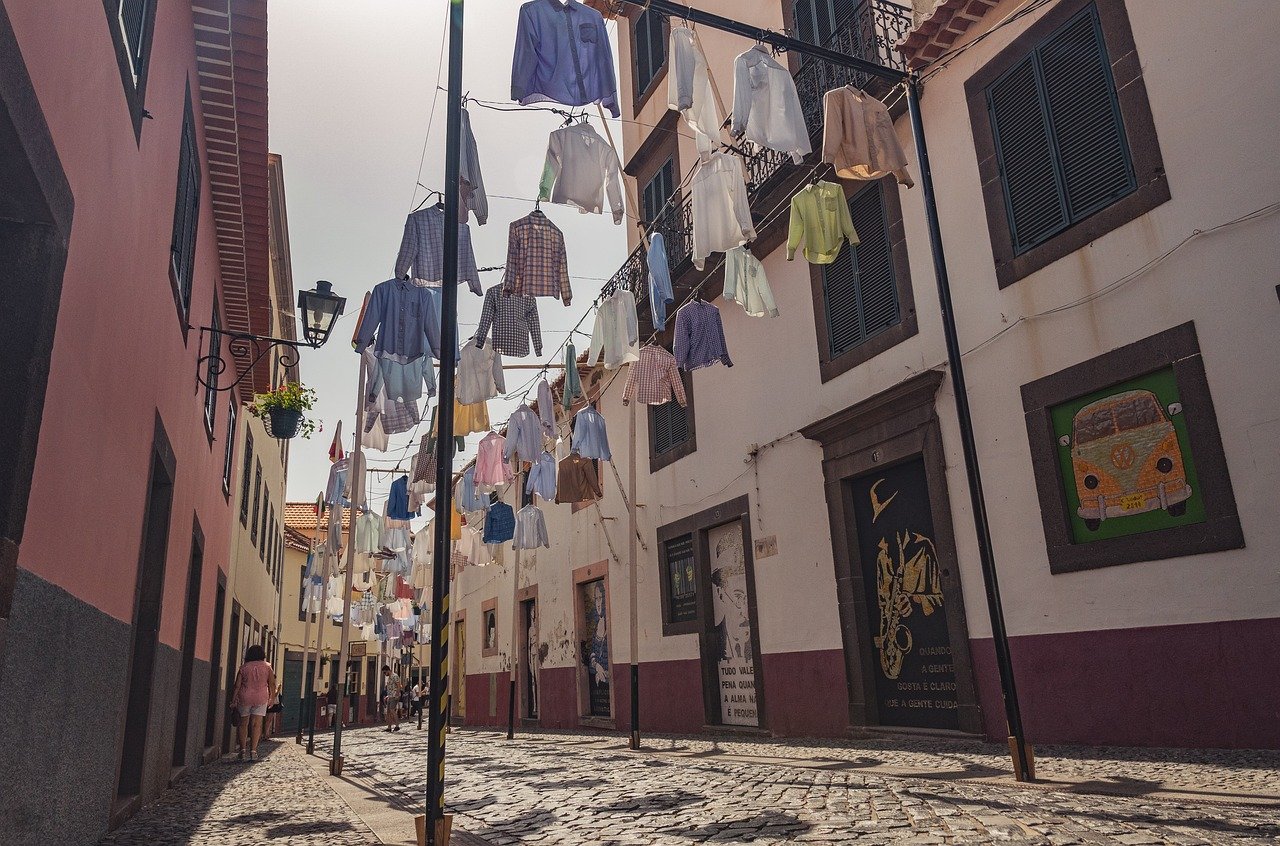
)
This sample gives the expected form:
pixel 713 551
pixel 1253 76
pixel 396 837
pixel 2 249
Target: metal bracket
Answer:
pixel 245 348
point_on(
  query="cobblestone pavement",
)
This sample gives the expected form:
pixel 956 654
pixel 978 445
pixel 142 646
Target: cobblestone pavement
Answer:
pixel 278 798
pixel 561 788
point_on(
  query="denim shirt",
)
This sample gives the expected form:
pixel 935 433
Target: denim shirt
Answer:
pixel 563 55
pixel 590 440
pixel 404 318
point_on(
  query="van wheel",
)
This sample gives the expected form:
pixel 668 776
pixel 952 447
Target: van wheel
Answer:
pixel 1178 509
pixel 1092 525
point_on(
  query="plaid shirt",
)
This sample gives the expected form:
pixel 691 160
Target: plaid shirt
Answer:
pixel 537 265
pixel 654 378
pixel 422 250
pixel 425 463
pixel 396 417
pixel 699 340
pixel 513 319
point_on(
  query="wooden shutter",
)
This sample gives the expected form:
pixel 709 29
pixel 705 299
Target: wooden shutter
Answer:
pixel 860 286
pixel 1059 136
pixel 650 49
pixel 186 210
pixel 669 424
pixel 133 26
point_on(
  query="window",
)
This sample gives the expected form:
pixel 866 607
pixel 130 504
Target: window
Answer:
pixel 262 529
pixel 248 466
pixel 680 582
pixel 211 374
pixel 816 20
pixel 657 191
pixel 648 49
pixel 268 536
pixel 131 23
pixel 186 213
pixel 229 451
pixel 671 430
pixel 862 300
pixel 1066 146
pixel 489 621
pixel 257 502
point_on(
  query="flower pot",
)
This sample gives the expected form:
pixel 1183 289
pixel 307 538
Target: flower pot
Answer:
pixel 285 422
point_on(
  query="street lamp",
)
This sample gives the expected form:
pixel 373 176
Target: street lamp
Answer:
pixel 320 309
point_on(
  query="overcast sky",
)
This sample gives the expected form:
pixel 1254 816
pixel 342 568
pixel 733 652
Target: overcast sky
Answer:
pixel 351 101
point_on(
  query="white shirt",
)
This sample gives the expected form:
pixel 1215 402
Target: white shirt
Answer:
pixel 616 332
pixel 746 284
pixel 721 210
pixel 580 168
pixel 479 374
pixel 766 107
pixel 689 89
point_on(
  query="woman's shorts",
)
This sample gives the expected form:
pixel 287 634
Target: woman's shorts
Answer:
pixel 253 710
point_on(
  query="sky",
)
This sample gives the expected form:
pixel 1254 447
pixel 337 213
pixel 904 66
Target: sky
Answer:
pixel 351 88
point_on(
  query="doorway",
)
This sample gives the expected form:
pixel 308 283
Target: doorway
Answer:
pixel 596 670
pixel 215 665
pixel 233 665
pixel 532 657
pixel 731 637
pixel 293 694
pixel 190 621
pixel 458 678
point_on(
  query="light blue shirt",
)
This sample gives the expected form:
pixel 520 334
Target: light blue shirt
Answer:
pixel 524 435
pixel 531 529
pixel 659 280
pixel 542 477
pixel 590 439
pixel 562 54
pixel 468 498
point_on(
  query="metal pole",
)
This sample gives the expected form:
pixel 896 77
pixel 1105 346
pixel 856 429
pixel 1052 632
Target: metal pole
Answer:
pixel 357 497
pixel 320 627
pixel 444 436
pixel 303 695
pixel 515 626
pixel 632 580
pixel 1023 764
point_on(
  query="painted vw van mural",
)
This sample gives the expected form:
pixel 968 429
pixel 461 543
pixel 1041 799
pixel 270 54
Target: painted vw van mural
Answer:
pixel 1126 458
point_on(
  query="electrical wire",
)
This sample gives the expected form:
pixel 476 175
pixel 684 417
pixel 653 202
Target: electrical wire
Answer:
pixel 444 37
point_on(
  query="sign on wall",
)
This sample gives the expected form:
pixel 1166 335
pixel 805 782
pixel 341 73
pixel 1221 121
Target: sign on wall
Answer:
pixel 731 636
pixel 682 580
pixel 915 679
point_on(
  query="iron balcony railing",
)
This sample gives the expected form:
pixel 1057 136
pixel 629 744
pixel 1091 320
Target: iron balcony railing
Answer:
pixel 868 33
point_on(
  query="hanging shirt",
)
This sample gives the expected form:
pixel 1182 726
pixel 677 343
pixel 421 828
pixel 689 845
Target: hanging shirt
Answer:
pixel 390 416
pixel 403 316
pixel 531 529
pixel 654 379
pixel 721 210
pixel 689 89
pixel 699 336
pixel 659 280
pixel 546 409
pixel 590 439
pixel 421 254
pixel 581 168
pixel 471 184
pixel 524 435
pixel 746 284
pixel 572 380
pixel 368 526
pixel 537 265
pixel 513 319
pixel 858 137
pixel 401 381
pixel 578 480
pixel 466 497
pixel 500 525
pixel 466 419
pixel 820 220
pixel 542 477
pixel 479 374
pixel 491 463
pixel 616 333
pixel 766 107
pixel 425 462
pixel 562 54
pixel 335 490
pixel 398 501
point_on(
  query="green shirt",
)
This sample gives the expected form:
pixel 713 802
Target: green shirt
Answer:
pixel 820 220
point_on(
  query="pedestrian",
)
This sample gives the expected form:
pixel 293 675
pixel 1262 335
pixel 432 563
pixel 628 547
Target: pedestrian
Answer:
pixel 415 698
pixel 391 688
pixel 254 683
pixel 273 714
pixel 331 704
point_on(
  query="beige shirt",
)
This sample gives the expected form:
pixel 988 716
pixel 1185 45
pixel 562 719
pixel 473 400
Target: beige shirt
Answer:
pixel 858 137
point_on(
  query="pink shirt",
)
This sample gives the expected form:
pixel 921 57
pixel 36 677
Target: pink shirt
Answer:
pixel 255 688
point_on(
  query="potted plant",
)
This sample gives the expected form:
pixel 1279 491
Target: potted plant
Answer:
pixel 283 409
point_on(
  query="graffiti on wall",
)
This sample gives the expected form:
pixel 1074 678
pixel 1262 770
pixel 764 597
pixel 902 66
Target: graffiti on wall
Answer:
pixel 735 654
pixel 595 647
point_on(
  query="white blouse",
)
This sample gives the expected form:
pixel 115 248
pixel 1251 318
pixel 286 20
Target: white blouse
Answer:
pixel 721 210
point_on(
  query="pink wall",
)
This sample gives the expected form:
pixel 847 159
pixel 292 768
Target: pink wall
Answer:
pixel 119 354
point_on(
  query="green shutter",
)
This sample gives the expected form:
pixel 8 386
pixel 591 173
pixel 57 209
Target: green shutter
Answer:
pixel 669 424
pixel 1059 135
pixel 860 288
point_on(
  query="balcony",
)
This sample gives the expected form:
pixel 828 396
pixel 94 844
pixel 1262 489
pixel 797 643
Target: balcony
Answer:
pixel 868 33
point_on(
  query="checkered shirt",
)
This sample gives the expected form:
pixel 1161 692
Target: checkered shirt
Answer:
pixel 396 417
pixel 425 463
pixel 699 336
pixel 537 265
pixel 422 251
pixel 513 319
pixel 654 378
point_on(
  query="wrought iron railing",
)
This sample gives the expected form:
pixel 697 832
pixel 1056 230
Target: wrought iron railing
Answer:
pixel 868 33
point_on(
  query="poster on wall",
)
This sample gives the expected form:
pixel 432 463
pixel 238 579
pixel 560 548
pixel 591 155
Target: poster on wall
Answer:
pixel 1125 459
pixel 595 647
pixel 915 677
pixel 731 635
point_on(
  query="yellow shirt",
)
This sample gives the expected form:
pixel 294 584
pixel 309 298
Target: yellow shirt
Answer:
pixel 820 220
pixel 466 419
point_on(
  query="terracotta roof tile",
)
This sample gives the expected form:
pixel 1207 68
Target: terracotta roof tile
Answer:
pixel 943 27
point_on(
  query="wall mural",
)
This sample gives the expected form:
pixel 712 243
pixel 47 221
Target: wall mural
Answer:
pixel 735 656
pixel 595 647
pixel 1125 459
pixel 915 677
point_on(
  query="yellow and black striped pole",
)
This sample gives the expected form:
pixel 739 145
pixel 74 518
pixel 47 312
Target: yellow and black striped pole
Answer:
pixel 438 719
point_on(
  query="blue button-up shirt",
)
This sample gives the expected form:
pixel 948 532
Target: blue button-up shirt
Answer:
pixel 469 499
pixel 524 435
pixel 500 525
pixel 563 55
pixel 404 318
pixel 398 500
pixel 542 477
pixel 659 280
pixel 590 440
pixel 699 336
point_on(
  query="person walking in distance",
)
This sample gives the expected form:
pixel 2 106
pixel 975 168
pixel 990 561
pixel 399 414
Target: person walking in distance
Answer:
pixel 415 698
pixel 254 683
pixel 391 687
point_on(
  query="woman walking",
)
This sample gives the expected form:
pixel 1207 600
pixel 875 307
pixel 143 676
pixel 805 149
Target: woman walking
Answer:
pixel 254 683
